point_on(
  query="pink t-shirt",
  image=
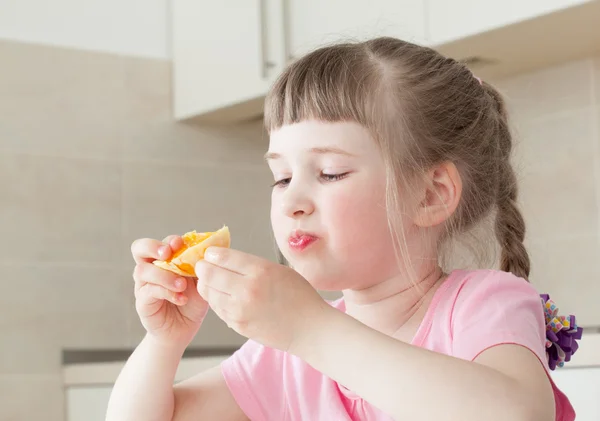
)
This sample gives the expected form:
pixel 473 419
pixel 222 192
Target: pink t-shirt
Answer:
pixel 471 312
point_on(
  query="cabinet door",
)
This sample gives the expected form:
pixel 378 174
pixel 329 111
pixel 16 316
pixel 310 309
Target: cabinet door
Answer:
pixel 451 20
pixel 312 23
pixel 225 53
pixel 582 387
pixel 87 403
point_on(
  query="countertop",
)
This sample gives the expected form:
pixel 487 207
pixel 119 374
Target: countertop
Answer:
pixel 102 367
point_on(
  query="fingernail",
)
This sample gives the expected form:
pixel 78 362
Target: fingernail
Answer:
pixel 162 251
pixel 180 297
pixel 180 283
pixel 210 254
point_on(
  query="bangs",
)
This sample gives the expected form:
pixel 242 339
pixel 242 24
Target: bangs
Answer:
pixel 332 84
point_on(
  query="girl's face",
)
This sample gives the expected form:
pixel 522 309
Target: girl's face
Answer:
pixel 328 204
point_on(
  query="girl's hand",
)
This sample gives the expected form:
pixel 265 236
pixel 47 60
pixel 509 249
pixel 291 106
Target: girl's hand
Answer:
pixel 267 302
pixel 169 306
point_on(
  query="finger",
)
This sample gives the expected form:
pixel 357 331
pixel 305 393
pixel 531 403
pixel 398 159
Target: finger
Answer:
pixel 148 273
pixel 148 250
pixel 218 278
pixel 151 297
pixel 233 260
pixel 219 301
pixel 220 304
pixel 175 241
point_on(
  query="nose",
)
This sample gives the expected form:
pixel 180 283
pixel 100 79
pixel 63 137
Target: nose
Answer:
pixel 297 201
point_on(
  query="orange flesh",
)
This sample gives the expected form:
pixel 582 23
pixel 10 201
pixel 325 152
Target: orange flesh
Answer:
pixel 187 268
pixel 190 239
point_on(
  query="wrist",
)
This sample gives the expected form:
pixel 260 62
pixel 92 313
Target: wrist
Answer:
pixel 319 324
pixel 162 347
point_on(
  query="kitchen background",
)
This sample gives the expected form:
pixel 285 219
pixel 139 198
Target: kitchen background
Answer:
pixel 122 119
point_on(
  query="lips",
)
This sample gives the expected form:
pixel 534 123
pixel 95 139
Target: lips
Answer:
pixel 300 240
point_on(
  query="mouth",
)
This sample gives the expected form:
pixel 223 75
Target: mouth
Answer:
pixel 299 240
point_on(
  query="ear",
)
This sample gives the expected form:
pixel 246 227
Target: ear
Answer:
pixel 443 190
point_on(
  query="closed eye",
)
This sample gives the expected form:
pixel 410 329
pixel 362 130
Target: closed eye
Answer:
pixel 334 177
pixel 282 183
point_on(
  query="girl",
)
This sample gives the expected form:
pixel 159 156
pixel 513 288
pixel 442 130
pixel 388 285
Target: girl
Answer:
pixel 381 153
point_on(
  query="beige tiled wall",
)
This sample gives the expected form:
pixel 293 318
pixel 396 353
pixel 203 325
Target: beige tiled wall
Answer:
pixel 90 160
pixel 556 121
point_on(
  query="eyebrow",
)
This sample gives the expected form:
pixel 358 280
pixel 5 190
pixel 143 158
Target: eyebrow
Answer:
pixel 320 151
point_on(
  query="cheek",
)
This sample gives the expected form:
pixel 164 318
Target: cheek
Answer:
pixel 360 219
pixel 278 221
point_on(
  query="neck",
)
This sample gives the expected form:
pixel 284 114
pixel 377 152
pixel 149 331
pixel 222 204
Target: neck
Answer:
pixel 395 304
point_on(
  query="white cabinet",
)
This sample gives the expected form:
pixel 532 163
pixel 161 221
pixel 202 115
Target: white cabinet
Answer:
pixel 225 55
pixel 452 20
pixel 579 379
pixel 312 23
pixel 582 387
pixel 88 386
pixel 87 403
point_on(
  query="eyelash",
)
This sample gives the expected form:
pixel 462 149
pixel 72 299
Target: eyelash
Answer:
pixel 327 178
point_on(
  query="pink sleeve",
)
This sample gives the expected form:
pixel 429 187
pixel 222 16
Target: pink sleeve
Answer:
pixel 253 375
pixel 497 308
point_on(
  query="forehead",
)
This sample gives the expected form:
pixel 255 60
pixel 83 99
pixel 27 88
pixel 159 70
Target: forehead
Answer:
pixel 306 135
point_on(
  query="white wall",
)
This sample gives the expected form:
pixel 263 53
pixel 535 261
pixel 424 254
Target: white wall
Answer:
pixel 129 27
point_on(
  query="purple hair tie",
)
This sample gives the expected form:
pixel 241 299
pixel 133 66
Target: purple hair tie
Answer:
pixel 562 334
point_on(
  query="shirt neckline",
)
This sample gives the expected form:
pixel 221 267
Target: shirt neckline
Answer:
pixel 422 330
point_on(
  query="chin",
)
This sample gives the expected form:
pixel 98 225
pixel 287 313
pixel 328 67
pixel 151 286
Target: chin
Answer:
pixel 320 275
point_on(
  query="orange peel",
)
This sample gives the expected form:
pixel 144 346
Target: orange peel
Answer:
pixel 184 260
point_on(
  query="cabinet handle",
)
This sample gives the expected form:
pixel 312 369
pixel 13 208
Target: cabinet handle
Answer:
pixel 264 46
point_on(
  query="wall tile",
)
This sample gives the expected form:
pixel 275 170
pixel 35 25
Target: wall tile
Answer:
pixel 31 397
pixel 93 312
pixel 559 202
pixel 148 86
pixel 60 102
pixel 568 269
pixel 160 200
pixel 548 91
pixel 556 174
pixel 560 141
pixel 59 209
pixel 150 133
pixel 48 308
pixel 30 343
pixel 188 144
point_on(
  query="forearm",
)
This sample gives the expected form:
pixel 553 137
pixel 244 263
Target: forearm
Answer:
pixel 144 388
pixel 405 381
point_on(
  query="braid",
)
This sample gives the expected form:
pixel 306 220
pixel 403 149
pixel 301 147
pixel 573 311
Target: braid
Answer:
pixel 510 227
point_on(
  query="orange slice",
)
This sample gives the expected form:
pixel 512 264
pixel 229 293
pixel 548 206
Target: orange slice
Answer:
pixel 194 245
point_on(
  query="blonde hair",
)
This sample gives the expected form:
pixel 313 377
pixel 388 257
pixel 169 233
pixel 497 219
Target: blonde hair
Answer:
pixel 422 109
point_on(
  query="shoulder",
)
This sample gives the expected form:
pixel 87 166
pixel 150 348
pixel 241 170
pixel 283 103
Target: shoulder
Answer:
pixel 488 307
pixel 492 299
pixel 489 286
